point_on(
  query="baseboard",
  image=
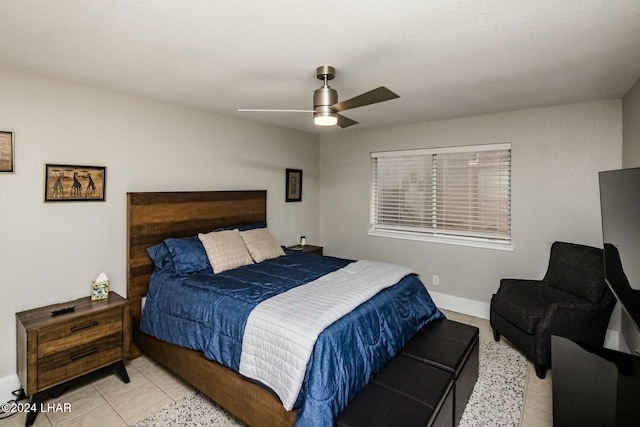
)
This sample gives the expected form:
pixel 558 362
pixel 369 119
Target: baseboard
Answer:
pixel 7 385
pixel 461 305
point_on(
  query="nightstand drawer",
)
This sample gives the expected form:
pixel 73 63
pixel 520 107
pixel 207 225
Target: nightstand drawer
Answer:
pixel 67 335
pixel 70 363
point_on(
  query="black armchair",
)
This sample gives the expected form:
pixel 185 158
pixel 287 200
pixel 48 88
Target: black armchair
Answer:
pixel 571 301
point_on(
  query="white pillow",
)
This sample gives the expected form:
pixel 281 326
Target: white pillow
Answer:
pixel 261 244
pixel 225 250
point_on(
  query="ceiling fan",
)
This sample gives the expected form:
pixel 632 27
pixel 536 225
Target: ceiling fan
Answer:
pixel 325 101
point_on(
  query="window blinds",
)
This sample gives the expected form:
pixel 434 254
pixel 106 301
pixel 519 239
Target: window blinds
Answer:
pixel 461 192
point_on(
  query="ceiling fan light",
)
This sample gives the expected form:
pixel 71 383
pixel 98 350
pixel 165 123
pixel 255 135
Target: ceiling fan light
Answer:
pixel 325 119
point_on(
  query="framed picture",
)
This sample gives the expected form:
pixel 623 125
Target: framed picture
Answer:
pixel 294 185
pixel 6 151
pixel 66 183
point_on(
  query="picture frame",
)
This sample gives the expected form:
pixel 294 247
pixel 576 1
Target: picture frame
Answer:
pixel 294 185
pixel 70 183
pixel 6 151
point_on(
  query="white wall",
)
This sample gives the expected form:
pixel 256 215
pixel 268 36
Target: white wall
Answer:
pixel 630 159
pixel 50 252
pixel 631 127
pixel 556 155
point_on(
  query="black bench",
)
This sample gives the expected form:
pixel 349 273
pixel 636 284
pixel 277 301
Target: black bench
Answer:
pixel 406 392
pixel 428 384
pixel 453 347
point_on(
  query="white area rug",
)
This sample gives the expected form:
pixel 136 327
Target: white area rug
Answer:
pixel 192 410
pixel 498 395
pixel 496 400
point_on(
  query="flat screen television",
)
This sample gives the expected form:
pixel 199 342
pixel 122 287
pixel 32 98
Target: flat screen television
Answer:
pixel 620 206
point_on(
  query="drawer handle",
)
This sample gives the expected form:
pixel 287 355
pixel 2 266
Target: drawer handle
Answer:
pixel 85 326
pixel 85 354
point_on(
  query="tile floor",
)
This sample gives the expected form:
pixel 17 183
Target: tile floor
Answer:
pixel 107 402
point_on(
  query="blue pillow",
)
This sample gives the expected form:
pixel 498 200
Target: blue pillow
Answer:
pixel 243 227
pixel 159 255
pixel 188 254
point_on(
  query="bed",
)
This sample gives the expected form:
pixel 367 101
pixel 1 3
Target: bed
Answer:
pixel 155 217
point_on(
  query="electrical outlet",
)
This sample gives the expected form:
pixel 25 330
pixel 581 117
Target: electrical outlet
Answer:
pixel 435 280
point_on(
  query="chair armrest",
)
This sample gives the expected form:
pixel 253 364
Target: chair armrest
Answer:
pixel 514 283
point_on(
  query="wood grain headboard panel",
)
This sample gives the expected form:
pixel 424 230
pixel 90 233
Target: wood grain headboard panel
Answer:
pixel 153 217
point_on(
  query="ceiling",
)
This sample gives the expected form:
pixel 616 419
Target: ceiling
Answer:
pixel 444 58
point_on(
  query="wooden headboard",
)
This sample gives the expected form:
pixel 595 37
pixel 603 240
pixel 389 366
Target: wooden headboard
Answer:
pixel 154 217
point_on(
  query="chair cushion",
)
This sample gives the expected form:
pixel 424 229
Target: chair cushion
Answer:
pixel 577 269
pixel 522 302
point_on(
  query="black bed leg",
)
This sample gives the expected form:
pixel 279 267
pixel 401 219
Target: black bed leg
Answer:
pixel 34 404
pixel 121 371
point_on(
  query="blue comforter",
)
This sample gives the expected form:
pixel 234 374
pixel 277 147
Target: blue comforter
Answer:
pixel 208 312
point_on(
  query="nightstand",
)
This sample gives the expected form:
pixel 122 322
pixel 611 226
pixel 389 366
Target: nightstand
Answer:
pixel 310 249
pixel 52 350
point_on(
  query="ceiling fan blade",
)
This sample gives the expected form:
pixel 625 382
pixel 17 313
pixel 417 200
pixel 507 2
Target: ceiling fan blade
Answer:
pixel 373 96
pixel 254 110
pixel 344 122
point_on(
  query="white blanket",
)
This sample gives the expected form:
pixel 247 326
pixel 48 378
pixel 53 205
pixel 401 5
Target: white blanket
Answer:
pixel 281 332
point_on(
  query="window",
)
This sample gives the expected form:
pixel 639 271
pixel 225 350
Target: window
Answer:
pixel 458 195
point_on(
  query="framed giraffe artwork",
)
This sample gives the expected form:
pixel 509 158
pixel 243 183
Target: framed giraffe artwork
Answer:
pixel 68 183
pixel 6 151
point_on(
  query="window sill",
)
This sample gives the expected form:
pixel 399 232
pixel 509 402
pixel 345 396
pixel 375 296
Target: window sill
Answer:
pixel 450 240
